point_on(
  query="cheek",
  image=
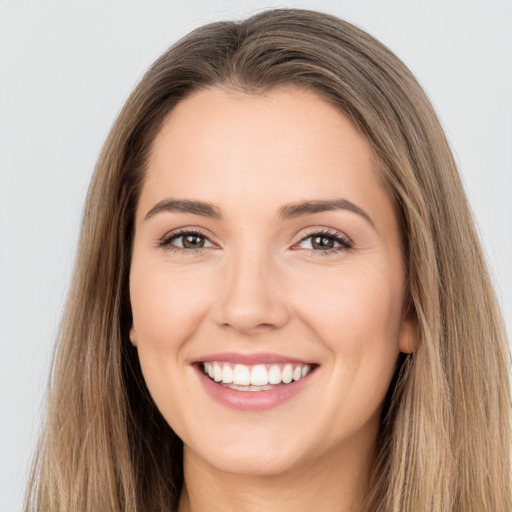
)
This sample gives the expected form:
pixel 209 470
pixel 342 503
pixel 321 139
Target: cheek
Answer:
pixel 166 305
pixel 167 308
pixel 354 308
pixel 356 313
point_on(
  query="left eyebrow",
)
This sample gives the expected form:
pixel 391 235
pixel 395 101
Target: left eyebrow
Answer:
pixel 292 211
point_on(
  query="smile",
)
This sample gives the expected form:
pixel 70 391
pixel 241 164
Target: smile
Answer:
pixel 259 377
pixel 254 382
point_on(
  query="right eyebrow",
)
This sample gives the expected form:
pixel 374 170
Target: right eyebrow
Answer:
pixel 185 206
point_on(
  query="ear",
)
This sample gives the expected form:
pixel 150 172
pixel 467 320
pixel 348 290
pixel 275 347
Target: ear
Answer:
pixel 133 336
pixel 409 332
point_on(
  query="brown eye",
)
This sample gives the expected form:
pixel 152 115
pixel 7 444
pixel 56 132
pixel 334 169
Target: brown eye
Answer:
pixel 325 242
pixel 322 243
pixel 193 241
pixel 186 240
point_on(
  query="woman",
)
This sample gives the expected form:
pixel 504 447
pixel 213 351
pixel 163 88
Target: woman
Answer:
pixel 279 299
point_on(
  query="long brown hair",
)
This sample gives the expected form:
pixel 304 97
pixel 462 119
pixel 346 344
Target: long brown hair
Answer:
pixel 444 443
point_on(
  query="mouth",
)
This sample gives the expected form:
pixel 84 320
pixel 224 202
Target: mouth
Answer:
pixel 254 382
pixel 254 378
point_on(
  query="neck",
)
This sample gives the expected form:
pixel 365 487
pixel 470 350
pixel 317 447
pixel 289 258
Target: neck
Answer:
pixel 332 484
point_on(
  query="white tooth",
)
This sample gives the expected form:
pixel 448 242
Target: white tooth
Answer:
pixel 297 373
pixel 217 372
pixel 305 370
pixel 259 375
pixel 227 374
pixel 274 374
pixel 241 375
pixel 287 374
pixel 209 369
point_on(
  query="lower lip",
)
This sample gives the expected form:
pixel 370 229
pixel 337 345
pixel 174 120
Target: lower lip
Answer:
pixel 252 400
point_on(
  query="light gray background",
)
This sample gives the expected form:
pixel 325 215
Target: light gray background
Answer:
pixel 65 70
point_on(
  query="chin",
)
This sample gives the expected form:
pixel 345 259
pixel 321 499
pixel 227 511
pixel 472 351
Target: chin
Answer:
pixel 249 450
pixel 257 462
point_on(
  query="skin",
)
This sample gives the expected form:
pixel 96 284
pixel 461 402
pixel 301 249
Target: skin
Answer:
pixel 259 285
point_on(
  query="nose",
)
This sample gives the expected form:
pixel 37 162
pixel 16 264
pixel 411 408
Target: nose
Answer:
pixel 252 299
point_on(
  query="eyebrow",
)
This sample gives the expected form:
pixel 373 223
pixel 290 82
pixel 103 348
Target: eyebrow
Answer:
pixel 302 208
pixel 290 211
pixel 185 206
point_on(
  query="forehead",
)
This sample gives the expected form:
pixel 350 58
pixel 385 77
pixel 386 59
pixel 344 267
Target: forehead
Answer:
pixel 289 144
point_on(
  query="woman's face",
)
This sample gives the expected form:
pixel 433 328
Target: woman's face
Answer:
pixel 267 254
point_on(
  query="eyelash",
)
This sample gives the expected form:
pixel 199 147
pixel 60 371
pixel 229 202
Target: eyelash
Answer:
pixel 344 242
pixel 166 241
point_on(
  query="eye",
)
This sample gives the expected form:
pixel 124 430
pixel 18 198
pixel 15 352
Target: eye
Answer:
pixel 186 240
pixel 325 241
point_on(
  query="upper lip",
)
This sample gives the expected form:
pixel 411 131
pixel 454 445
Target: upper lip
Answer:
pixel 250 359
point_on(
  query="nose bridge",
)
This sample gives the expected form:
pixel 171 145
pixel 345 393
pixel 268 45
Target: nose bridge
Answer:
pixel 251 297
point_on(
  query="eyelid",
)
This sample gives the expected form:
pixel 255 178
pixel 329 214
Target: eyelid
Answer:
pixel 165 241
pixel 340 237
